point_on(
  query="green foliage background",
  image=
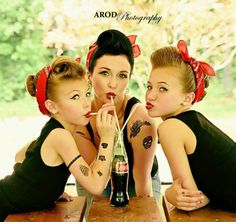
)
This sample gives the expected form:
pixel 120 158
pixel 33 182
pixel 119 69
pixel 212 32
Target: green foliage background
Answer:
pixel 23 52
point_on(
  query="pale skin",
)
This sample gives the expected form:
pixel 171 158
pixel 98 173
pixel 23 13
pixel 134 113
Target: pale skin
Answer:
pixel 71 104
pixel 112 74
pixel 165 93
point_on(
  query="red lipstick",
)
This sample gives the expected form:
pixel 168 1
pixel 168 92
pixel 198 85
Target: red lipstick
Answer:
pixel 111 94
pixel 148 105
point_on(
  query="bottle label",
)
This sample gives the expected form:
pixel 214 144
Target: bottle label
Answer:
pixel 122 167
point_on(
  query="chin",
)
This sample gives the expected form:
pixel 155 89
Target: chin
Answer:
pixel 152 114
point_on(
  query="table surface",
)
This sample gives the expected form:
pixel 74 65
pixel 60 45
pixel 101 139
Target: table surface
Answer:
pixel 140 209
pixel 206 214
pixel 72 211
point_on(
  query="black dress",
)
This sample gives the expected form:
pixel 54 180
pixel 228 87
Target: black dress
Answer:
pixel 33 185
pixel 213 163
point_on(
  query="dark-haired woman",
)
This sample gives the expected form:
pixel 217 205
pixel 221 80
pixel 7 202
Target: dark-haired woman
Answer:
pixel 110 63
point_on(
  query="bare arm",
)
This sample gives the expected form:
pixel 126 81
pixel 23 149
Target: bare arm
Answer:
pixel 86 147
pixel 175 137
pixel 143 137
pixel 92 178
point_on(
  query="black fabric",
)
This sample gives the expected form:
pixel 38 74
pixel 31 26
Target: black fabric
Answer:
pixel 213 163
pixel 127 144
pixel 34 185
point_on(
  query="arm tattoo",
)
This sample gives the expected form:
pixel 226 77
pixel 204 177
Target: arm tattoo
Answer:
pixel 99 173
pixel 135 129
pixel 147 142
pixel 102 158
pixel 104 145
pixel 84 170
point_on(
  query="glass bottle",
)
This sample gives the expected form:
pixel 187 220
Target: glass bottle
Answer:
pixel 119 174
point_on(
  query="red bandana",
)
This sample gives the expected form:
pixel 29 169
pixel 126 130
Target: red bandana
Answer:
pixel 199 68
pixel 41 88
pixel 94 46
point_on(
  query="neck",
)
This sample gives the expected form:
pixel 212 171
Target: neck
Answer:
pixel 119 106
pixel 177 112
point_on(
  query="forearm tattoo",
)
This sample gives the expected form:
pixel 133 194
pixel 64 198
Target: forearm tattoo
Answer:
pixel 104 145
pixel 147 142
pixel 84 170
pixel 99 173
pixel 102 158
pixel 135 129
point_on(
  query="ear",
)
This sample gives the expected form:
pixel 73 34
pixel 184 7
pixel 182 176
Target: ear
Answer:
pixel 189 98
pixel 51 106
pixel 89 77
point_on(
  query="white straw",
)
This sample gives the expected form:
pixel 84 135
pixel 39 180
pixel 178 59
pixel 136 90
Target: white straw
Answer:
pixel 93 114
pixel 117 121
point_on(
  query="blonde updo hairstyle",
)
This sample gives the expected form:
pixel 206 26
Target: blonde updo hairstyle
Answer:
pixel 170 56
pixel 63 68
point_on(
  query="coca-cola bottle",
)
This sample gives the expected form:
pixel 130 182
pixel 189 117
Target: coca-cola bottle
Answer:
pixel 120 174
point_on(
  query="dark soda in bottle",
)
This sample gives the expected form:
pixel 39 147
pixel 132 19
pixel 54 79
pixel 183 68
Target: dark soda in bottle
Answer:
pixel 119 175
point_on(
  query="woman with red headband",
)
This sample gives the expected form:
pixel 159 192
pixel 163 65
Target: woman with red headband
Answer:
pixel 44 165
pixel 110 63
pixel 202 158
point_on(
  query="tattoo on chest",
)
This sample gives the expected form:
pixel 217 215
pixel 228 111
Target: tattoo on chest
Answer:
pixel 99 173
pixel 135 129
pixel 84 170
pixel 147 142
pixel 102 158
pixel 104 145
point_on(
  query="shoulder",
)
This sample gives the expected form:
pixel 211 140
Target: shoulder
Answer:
pixel 173 128
pixel 59 136
pixel 140 113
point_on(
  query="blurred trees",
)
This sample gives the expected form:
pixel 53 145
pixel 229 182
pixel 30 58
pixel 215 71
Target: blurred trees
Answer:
pixel 208 27
pixel 21 49
pixel 34 31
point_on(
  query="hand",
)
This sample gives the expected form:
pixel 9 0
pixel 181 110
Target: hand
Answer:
pixel 185 199
pixel 65 197
pixel 105 122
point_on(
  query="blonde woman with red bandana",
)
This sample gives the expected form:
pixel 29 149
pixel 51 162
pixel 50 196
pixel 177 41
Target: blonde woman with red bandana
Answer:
pixel 44 165
pixel 201 157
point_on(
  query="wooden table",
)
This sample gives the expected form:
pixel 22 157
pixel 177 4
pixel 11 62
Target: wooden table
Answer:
pixel 206 214
pixel 140 209
pixel 64 211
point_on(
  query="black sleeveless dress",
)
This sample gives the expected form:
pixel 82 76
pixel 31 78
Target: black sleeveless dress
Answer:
pixel 33 185
pixel 213 163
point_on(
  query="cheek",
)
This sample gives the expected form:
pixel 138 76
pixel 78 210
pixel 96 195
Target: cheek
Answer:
pixel 97 85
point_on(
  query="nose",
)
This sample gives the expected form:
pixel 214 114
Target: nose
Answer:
pixel 86 103
pixel 113 83
pixel 151 95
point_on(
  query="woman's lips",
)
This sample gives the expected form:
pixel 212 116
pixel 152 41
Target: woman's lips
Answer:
pixel 111 95
pixel 88 114
pixel 148 105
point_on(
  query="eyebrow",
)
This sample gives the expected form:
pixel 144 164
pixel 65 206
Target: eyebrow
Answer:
pixel 110 69
pixel 162 82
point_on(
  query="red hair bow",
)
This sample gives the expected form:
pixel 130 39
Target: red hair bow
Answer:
pixel 41 88
pixel 94 46
pixel 199 68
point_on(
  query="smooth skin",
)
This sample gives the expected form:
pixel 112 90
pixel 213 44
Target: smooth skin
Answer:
pixel 69 107
pixel 165 93
pixel 112 74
